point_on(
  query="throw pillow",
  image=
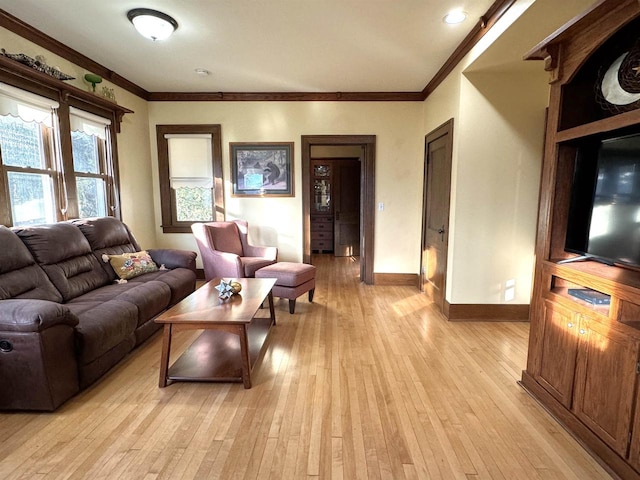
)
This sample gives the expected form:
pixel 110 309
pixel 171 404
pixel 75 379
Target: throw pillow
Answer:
pixel 129 265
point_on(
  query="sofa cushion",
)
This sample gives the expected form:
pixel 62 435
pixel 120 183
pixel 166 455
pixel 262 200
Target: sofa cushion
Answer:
pixel 53 243
pixel 20 277
pixel 131 265
pixel 251 265
pixel 107 236
pixel 148 298
pixel 181 282
pixel 102 326
pixel 225 237
pixel 65 255
pixel 105 232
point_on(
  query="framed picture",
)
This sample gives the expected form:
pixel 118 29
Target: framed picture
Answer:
pixel 261 169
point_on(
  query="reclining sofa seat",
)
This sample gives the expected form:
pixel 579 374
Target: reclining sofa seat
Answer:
pixel 59 295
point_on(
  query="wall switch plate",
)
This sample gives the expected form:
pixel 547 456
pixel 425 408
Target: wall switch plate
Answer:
pixel 380 207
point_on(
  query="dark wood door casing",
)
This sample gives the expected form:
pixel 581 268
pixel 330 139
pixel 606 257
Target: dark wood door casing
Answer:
pixel 367 195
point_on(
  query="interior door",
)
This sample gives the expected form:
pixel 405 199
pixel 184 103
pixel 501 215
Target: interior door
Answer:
pixel 346 227
pixel 435 220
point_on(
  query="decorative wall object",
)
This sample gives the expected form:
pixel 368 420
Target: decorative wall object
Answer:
pixel 93 80
pixel 109 94
pixel 38 63
pixel 262 169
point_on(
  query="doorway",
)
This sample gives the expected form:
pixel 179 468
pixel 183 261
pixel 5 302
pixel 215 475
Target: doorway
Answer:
pixel 335 201
pixel 365 241
pixel 435 212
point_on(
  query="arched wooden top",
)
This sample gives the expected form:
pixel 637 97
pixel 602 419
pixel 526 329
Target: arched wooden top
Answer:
pixel 566 50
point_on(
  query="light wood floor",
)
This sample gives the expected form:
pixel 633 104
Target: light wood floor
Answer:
pixel 366 382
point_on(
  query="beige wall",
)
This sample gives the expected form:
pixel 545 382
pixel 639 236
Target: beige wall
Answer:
pixel 497 102
pixel 499 154
pixel 278 221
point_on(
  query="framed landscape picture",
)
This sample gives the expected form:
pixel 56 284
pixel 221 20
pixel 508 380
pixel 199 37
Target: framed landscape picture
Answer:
pixel 261 169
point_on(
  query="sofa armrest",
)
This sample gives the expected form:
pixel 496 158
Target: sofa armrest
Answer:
pixel 29 315
pixel 173 258
pixel 270 253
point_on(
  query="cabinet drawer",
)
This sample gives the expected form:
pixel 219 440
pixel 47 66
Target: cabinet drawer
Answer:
pixel 326 235
pixel 315 219
pixel 319 244
pixel 322 227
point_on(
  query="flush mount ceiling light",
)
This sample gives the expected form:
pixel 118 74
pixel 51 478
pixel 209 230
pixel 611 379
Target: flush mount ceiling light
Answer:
pixel 203 72
pixel 151 23
pixel 457 16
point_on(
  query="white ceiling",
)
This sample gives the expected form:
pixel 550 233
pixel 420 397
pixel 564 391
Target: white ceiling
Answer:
pixel 263 45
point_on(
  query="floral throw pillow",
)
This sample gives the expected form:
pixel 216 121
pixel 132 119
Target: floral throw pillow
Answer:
pixel 129 265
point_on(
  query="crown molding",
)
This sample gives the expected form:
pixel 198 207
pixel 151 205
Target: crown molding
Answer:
pixel 285 97
pixel 493 14
pixel 34 35
pixel 484 24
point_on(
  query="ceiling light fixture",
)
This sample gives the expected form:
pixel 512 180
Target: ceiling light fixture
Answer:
pixel 203 72
pixel 455 17
pixel 151 23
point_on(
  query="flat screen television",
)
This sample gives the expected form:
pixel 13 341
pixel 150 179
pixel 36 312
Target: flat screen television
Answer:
pixel 604 212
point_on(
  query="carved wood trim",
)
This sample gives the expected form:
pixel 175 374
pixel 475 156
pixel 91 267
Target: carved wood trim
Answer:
pixel 569 52
pixel 552 61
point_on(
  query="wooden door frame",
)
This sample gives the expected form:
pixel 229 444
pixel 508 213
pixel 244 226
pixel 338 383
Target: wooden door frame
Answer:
pixel 445 129
pixel 367 194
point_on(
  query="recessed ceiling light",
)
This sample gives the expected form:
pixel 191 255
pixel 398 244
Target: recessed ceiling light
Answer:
pixel 151 23
pixel 457 16
pixel 203 72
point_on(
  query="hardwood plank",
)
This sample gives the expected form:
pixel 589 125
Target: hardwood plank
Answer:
pixel 366 382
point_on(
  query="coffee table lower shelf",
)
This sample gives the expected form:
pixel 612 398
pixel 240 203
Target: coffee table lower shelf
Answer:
pixel 216 356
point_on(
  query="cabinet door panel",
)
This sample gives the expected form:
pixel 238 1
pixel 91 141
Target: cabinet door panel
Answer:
pixel 634 450
pixel 558 347
pixel 605 382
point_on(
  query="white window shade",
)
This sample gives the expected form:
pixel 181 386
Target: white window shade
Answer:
pixel 191 182
pixel 88 123
pixel 190 158
pixel 26 105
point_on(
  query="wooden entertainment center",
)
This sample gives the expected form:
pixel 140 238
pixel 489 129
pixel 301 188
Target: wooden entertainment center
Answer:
pixel 584 359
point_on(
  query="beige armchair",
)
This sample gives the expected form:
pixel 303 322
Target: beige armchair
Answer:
pixel 226 252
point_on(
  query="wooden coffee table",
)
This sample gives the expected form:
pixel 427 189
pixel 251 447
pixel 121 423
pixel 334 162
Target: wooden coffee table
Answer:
pixel 233 336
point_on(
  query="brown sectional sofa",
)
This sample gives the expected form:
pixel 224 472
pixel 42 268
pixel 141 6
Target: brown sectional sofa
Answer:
pixel 64 321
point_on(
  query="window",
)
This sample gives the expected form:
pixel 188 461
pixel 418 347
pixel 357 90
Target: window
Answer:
pixel 190 167
pixel 50 174
pixel 91 164
pixel 29 174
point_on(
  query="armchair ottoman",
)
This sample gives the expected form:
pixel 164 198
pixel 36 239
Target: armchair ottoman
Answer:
pixel 292 280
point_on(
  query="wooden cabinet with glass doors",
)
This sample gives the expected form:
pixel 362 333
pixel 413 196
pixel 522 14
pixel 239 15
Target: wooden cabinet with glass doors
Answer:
pixel 321 206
